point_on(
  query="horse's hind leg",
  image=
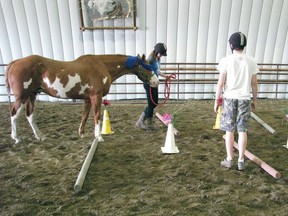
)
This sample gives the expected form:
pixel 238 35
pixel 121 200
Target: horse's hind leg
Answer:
pixel 29 115
pixel 96 101
pixel 15 112
pixel 85 114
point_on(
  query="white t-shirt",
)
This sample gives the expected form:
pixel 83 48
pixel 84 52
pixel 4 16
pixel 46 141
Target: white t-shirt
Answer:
pixel 239 69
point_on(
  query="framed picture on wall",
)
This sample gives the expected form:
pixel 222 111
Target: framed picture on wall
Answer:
pixel 107 14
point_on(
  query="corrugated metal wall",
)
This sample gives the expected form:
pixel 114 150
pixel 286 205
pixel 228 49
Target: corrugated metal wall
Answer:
pixel 194 31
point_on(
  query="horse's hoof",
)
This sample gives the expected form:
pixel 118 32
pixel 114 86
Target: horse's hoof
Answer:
pixel 100 139
pixel 40 139
pixel 17 141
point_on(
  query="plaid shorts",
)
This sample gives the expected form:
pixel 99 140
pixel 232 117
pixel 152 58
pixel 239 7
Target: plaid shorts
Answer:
pixel 235 115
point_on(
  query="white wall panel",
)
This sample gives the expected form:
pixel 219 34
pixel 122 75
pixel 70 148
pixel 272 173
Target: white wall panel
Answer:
pixel 77 35
pixel 66 30
pixel 272 36
pixel 263 29
pixel 193 30
pixel 281 34
pixel 235 15
pixel 88 41
pixel 202 41
pixel 262 38
pixel 253 27
pixel 151 24
pixel 22 27
pixel 272 31
pixel 12 30
pixel 5 49
pixel 172 26
pixel 161 30
pixel 182 32
pixel 55 30
pixel 192 45
pixel 223 48
pixel 45 35
pixel 33 26
pixel 214 18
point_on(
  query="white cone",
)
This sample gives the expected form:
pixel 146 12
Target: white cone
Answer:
pixel 170 147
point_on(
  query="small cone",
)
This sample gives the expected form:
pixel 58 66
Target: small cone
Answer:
pixel 170 147
pixel 106 128
pixel 218 118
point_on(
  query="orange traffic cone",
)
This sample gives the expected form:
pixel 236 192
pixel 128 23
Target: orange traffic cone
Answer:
pixel 106 127
pixel 170 147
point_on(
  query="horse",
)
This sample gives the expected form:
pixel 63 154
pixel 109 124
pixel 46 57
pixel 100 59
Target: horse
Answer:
pixel 89 77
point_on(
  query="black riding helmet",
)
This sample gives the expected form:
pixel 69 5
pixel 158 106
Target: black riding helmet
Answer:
pixel 237 41
pixel 161 48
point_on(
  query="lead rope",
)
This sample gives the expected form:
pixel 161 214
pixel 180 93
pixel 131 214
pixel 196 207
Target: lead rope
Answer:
pixel 166 90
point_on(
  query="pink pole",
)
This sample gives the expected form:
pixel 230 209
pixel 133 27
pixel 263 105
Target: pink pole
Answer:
pixel 176 132
pixel 270 170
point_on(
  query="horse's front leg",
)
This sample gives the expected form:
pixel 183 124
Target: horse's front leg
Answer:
pixel 15 112
pixel 85 114
pixel 30 118
pixel 96 101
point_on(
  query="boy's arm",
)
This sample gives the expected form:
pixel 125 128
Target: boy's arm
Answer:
pixel 254 84
pixel 219 89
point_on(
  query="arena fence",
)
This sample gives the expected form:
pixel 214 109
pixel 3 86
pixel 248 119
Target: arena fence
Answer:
pixel 193 81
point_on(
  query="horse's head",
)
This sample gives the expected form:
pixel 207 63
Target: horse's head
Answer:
pixel 145 72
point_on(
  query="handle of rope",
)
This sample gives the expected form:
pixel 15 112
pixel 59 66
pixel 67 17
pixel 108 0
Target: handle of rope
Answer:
pixel 167 85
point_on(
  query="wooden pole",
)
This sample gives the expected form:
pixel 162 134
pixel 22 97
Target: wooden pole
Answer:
pixel 83 172
pixel 270 170
pixel 260 121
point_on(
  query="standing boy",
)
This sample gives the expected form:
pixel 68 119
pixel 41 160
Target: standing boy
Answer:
pixel 238 75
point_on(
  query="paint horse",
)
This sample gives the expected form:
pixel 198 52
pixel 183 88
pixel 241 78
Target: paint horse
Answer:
pixel 89 78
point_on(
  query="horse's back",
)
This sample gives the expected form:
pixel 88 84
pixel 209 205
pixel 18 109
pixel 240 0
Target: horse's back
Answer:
pixel 89 58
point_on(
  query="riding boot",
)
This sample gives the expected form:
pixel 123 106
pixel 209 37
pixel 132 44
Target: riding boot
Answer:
pixel 140 123
pixel 150 123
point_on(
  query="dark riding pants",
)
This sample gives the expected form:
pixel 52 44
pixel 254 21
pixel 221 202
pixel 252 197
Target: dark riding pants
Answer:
pixel 152 99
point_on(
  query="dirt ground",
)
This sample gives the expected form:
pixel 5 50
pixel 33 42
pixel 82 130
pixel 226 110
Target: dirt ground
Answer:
pixel 129 175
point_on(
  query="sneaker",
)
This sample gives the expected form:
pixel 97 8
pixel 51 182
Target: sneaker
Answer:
pixel 227 164
pixel 241 166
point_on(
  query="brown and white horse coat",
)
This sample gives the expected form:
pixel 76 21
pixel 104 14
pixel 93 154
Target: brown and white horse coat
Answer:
pixel 89 78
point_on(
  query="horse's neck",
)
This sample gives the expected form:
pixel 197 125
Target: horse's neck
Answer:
pixel 116 66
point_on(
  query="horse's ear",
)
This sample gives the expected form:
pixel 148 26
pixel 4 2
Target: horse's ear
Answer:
pixel 138 56
pixel 143 57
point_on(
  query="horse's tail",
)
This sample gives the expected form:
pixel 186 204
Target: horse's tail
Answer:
pixel 7 84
